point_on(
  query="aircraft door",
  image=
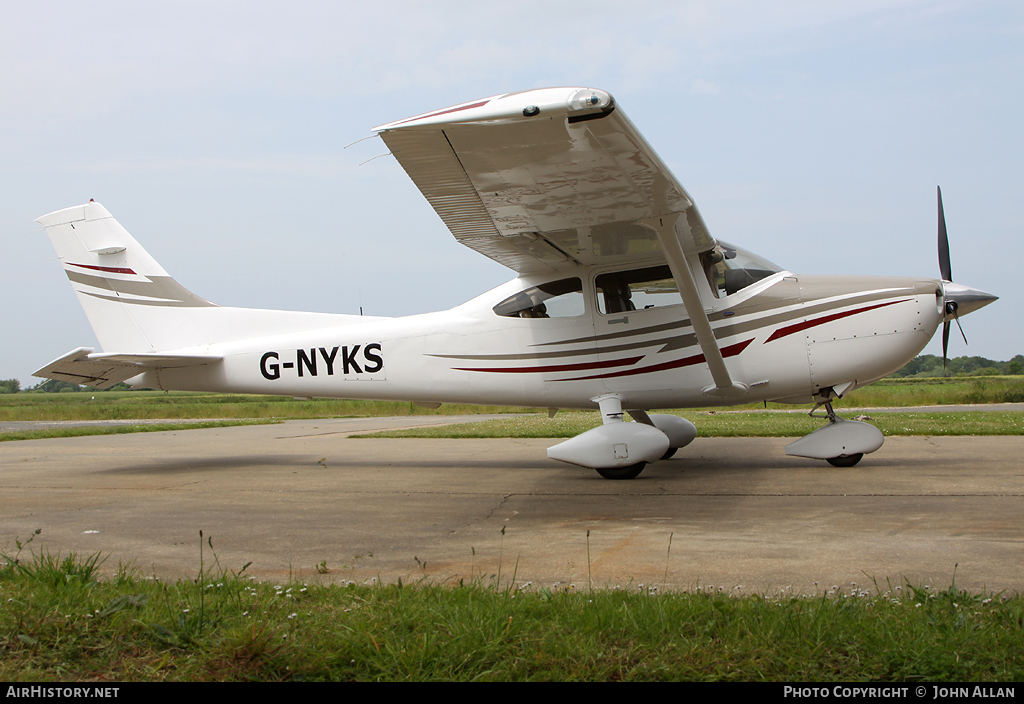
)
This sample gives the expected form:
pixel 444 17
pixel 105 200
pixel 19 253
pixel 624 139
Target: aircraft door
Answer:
pixel 639 321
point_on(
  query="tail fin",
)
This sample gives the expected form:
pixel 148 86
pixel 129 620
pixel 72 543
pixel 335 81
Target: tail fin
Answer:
pixel 136 309
pixel 131 302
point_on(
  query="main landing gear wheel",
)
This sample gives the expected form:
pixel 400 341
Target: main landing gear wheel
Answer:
pixel 845 461
pixel 630 472
pixel 669 452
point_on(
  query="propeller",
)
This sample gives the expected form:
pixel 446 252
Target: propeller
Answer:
pixel 957 298
pixel 946 271
pixel 944 268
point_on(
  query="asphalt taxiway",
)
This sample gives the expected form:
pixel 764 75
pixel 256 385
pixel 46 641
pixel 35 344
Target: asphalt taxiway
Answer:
pixel 735 513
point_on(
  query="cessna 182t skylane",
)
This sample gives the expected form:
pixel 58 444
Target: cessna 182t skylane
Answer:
pixel 624 301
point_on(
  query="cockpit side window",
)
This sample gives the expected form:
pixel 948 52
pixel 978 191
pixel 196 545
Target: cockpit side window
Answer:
pixel 624 291
pixel 730 269
pixel 557 299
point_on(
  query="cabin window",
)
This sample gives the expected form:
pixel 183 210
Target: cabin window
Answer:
pixel 637 289
pixel 557 299
pixel 730 269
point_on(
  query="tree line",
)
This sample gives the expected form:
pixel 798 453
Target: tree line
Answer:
pixel 53 386
pixel 928 365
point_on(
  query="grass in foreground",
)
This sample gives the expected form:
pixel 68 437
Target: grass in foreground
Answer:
pixel 728 424
pixel 60 620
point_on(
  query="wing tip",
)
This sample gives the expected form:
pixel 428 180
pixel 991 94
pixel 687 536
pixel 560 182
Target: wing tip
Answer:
pixel 515 105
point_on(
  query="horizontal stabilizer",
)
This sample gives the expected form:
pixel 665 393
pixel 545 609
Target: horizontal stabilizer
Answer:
pixel 104 369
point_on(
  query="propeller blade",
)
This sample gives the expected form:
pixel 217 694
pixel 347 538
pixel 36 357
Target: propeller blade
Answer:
pixel 945 345
pixel 956 317
pixel 944 268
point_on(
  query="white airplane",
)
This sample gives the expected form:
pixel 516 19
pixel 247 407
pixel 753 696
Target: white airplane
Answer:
pixel 623 300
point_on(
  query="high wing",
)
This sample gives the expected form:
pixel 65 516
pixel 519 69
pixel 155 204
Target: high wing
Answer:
pixel 546 179
pixel 543 179
pixel 103 370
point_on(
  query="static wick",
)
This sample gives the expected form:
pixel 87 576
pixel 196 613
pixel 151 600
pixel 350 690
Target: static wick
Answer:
pixel 376 157
pixel 363 139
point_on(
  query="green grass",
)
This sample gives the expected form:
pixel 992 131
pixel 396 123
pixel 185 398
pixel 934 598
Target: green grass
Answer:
pixel 937 392
pixel 189 405
pixel 40 434
pixel 146 405
pixel 728 424
pixel 139 405
pixel 901 393
pixel 60 620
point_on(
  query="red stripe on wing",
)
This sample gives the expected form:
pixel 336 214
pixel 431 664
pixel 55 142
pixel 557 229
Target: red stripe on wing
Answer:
pixel 442 112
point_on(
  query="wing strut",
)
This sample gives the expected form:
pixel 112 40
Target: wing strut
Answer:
pixel 724 385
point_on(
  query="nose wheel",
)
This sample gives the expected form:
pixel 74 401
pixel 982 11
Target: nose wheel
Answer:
pixel 841 460
pixel 842 443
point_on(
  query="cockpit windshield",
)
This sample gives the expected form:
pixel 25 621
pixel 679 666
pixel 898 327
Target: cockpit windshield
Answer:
pixel 730 269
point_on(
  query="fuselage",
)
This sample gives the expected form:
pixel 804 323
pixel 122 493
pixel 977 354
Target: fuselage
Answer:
pixel 784 337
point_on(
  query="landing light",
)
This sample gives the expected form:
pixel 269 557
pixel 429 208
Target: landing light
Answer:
pixel 589 98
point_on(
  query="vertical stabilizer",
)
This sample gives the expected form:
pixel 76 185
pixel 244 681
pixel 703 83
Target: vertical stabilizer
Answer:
pixel 131 302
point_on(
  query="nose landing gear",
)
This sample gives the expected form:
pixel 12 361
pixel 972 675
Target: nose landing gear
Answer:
pixel 842 442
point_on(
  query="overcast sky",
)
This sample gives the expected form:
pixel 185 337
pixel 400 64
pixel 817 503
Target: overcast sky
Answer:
pixel 813 133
